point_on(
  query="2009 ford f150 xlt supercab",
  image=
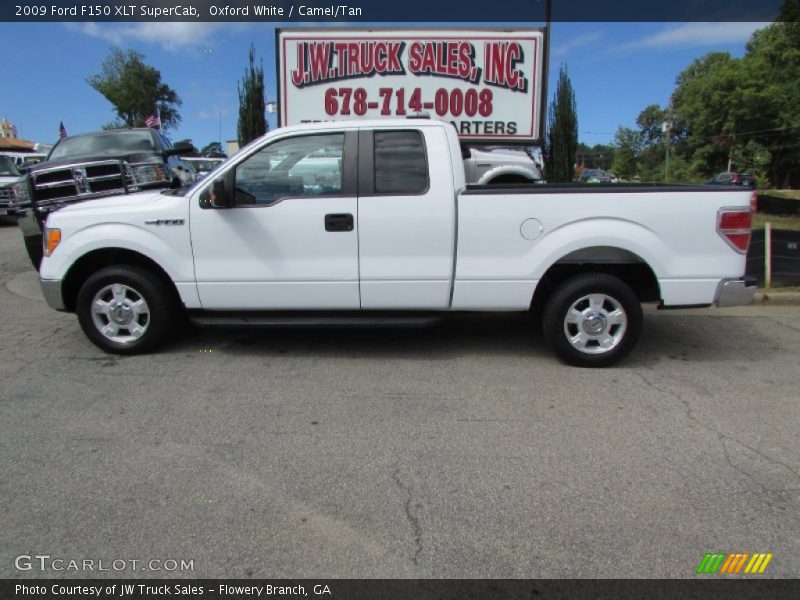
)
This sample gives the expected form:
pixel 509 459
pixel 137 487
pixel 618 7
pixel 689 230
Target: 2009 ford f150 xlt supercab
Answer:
pixel 353 222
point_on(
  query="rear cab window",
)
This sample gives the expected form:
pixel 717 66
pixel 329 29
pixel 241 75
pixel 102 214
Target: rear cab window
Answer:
pixel 400 163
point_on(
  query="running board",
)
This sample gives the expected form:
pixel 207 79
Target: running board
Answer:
pixel 280 322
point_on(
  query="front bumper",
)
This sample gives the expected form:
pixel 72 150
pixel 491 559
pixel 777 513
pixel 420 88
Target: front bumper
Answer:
pixel 51 290
pixel 27 221
pixel 735 292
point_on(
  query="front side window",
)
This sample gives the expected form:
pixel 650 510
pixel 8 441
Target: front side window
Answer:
pixel 401 166
pixel 302 166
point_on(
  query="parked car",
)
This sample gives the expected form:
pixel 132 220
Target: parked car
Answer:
pixel 29 162
pixel 202 164
pixel 9 183
pixel 596 176
pixel 23 160
pixel 93 165
pixel 372 222
pixel 487 165
pixel 733 178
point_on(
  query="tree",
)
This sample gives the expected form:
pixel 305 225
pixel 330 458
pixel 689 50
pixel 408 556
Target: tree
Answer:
pixel 212 150
pixel 628 145
pixel 650 122
pixel 709 98
pixel 771 64
pixel 252 122
pixel 135 90
pixel 561 141
pixel 743 112
pixel 598 156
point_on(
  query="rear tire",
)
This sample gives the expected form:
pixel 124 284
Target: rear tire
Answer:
pixel 592 320
pixel 126 309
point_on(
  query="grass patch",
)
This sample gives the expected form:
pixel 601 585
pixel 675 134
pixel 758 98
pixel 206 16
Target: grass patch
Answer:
pixel 793 194
pixel 778 222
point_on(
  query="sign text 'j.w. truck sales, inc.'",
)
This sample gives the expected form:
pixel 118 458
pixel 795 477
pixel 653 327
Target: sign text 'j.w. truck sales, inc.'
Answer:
pixel 487 82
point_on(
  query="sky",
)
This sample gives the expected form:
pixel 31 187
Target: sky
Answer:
pixel 616 69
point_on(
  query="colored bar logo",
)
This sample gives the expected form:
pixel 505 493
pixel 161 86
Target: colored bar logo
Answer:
pixel 734 563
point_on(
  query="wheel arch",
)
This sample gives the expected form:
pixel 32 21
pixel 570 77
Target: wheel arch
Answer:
pixel 93 261
pixel 619 262
pixel 508 174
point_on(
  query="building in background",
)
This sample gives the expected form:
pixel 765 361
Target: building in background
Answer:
pixel 9 142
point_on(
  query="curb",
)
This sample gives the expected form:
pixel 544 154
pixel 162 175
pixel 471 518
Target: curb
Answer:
pixel 777 298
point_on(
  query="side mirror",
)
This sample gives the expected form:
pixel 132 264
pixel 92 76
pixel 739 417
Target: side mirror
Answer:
pixel 181 148
pixel 220 198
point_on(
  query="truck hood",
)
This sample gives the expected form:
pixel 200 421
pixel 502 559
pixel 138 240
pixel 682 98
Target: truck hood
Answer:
pixel 140 201
pixel 132 157
pixel 7 180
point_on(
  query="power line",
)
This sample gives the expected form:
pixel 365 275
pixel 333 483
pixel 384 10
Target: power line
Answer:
pixel 775 129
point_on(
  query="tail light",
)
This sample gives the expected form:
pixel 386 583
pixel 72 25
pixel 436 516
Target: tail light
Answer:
pixel 733 224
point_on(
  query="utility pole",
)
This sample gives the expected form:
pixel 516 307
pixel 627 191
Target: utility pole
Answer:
pixel 666 159
pixel 548 7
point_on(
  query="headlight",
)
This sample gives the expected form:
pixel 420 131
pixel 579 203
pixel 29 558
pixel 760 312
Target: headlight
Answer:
pixel 52 238
pixel 144 174
pixel 21 193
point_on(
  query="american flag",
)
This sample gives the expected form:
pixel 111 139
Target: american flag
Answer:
pixel 154 120
pixel 62 131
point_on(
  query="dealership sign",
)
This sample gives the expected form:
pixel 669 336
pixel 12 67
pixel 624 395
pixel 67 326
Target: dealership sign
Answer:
pixel 487 82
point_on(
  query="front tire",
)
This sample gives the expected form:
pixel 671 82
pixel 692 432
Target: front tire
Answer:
pixel 125 310
pixel 592 320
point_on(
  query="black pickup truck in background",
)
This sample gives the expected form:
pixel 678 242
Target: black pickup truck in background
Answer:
pixel 94 165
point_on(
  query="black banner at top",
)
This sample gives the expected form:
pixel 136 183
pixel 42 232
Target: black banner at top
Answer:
pixel 380 11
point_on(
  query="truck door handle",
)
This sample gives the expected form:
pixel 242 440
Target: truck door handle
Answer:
pixel 339 222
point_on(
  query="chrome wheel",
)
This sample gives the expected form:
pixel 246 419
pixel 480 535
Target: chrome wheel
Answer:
pixel 595 324
pixel 120 313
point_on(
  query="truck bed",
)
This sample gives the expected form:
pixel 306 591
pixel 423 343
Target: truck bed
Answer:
pixel 504 252
pixel 596 188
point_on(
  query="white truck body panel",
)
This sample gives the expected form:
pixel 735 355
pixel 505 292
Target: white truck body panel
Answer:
pixel 684 253
pixel 89 227
pixel 445 249
pixel 407 242
pixel 283 259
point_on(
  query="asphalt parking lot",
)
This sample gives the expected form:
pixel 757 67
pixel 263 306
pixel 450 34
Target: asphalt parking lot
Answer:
pixel 461 451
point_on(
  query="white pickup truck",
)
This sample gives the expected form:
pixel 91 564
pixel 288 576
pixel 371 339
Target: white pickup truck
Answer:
pixel 372 222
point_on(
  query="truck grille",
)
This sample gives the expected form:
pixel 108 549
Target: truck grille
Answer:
pixel 79 182
pixel 6 196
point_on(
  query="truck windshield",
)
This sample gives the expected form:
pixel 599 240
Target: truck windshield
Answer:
pixel 204 165
pixel 106 143
pixel 7 168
